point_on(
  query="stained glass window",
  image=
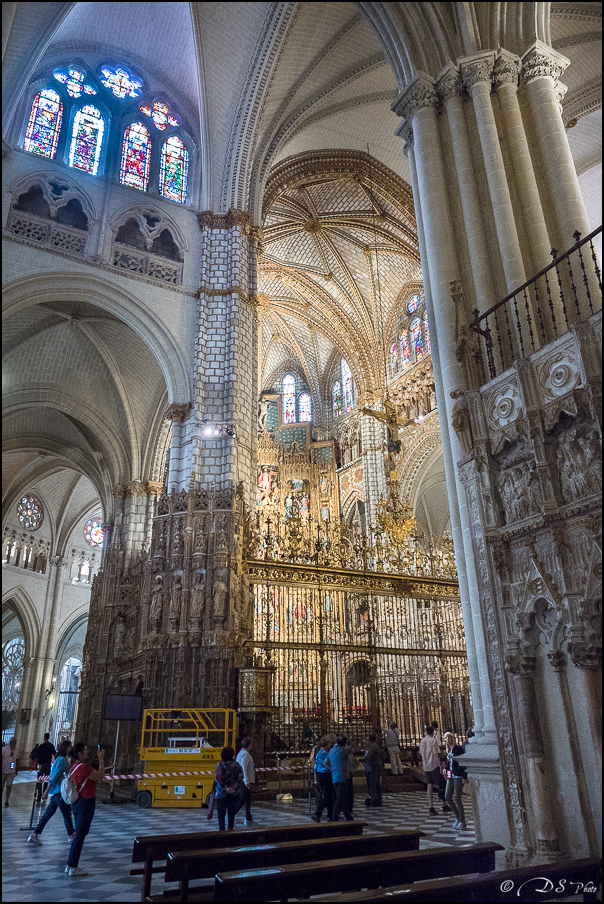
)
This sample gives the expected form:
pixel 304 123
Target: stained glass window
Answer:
pixel 44 124
pixel 73 79
pixel 305 408
pixel 394 355
pixel 416 338
pixel 427 333
pixel 121 82
pixel 405 348
pixel 30 512
pixel 338 402
pixel 86 140
pixel 136 155
pixel 413 304
pixel 347 382
pixel 173 169
pixel 93 533
pixel 289 399
pixel 161 115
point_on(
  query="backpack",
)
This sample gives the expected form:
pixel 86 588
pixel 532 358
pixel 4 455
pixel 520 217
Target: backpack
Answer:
pixel 69 790
pixel 230 777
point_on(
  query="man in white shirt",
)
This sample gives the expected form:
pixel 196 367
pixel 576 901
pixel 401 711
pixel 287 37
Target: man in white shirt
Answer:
pixel 391 736
pixel 244 758
pixel 429 752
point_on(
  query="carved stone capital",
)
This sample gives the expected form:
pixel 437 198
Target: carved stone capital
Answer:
pixel 507 70
pixel 178 412
pixel 521 664
pixel 210 220
pixel 153 487
pixel 418 94
pixel 58 562
pixel 476 69
pixel 134 488
pixel 558 659
pixel 586 655
pixel 449 84
pixel 119 491
pixel 541 61
pixel 405 132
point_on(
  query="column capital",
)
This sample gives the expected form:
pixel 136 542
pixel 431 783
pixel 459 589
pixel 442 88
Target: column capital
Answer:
pixel 541 61
pixel 178 412
pixel 233 217
pixel 506 70
pixel 134 488
pixel 448 83
pixel 558 659
pixel 405 132
pixel 477 68
pixel 419 93
pixel 521 664
pixel 153 487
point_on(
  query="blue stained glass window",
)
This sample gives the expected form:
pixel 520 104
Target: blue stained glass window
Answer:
pixel 305 408
pixel 136 156
pixel 44 124
pixel 413 304
pixel 173 169
pixel 121 82
pixel 86 140
pixel 348 388
pixel 338 401
pixel 394 356
pixel 405 348
pixel 289 399
pixel 93 533
pixel 73 79
pixel 160 114
pixel 416 338
pixel 427 333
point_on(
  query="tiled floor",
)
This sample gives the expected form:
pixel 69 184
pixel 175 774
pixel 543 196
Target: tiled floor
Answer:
pixel 32 873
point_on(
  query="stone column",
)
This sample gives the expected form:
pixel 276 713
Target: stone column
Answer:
pixel 505 79
pixel 180 452
pixel 450 88
pixel 530 739
pixel 477 72
pixel 437 246
pixel 541 68
pixel 373 444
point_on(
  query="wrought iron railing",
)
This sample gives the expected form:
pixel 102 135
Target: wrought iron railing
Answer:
pixel 567 291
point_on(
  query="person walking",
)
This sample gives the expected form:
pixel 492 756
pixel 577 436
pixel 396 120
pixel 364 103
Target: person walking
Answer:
pixel 60 768
pixel 324 790
pixel 10 767
pixel 373 761
pixel 430 756
pixel 228 776
pixel 456 775
pixel 44 753
pixel 339 760
pixel 392 738
pixel 85 778
pixel 244 758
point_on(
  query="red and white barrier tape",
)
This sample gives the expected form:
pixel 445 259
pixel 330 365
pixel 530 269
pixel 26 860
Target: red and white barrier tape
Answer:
pixel 45 778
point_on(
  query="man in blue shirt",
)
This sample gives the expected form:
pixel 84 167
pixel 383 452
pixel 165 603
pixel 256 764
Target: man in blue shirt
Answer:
pixel 338 758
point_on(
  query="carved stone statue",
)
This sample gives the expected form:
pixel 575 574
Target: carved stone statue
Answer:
pixel 220 591
pixel 460 421
pixel 120 632
pixel 157 597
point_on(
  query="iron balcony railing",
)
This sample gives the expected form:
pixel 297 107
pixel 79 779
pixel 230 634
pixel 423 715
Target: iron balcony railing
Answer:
pixel 567 291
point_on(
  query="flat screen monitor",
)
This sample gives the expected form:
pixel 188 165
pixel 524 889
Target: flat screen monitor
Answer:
pixel 124 707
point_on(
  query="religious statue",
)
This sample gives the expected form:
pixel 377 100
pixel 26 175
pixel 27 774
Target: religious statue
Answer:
pixel 460 421
pixel 120 631
pixel 392 421
pixel 157 597
pixel 220 591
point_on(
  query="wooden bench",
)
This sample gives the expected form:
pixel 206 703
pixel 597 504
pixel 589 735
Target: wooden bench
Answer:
pixel 538 883
pixel 148 849
pixel 185 866
pixel 326 876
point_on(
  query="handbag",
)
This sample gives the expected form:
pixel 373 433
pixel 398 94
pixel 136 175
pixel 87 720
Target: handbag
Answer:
pixel 69 790
pixel 210 801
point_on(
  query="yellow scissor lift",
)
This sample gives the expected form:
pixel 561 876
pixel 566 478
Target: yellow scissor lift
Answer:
pixel 182 740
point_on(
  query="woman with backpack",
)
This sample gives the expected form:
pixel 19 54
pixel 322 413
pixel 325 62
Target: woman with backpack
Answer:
pixel 456 775
pixel 228 776
pixel 60 768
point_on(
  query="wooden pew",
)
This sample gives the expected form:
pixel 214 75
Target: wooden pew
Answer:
pixel 185 866
pixel 148 849
pixel 546 882
pixel 326 876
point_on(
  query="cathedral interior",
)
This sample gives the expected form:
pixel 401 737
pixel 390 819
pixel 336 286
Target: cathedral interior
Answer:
pixel 302 381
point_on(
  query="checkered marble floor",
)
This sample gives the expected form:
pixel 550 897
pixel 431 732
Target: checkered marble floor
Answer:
pixel 32 873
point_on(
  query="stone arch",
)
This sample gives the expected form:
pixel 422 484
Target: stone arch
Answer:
pixel 69 644
pixel 170 355
pixel 152 222
pixel 58 189
pixel 20 604
pixel 414 457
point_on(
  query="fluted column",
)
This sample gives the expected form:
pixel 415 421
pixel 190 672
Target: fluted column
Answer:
pixel 417 105
pixel 541 68
pixel 449 88
pixel 505 79
pixel 477 73
pixel 530 738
